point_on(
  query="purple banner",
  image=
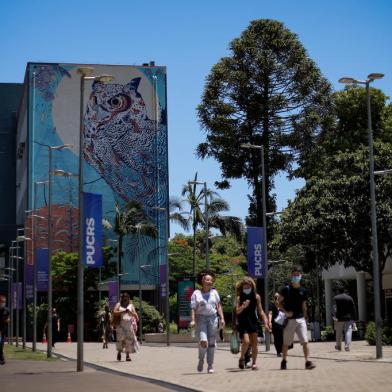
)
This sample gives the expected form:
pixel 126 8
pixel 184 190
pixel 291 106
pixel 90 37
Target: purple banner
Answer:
pixel 17 288
pixel 29 282
pixel 162 280
pixel 42 258
pixel 256 258
pixel 112 287
pixel 92 230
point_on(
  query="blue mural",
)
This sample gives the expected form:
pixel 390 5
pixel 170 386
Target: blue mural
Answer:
pixel 125 148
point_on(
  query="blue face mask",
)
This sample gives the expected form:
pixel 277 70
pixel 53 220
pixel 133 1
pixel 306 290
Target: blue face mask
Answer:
pixel 247 291
pixel 296 279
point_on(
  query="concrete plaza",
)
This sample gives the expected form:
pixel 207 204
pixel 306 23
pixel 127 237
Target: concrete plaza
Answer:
pixel 357 370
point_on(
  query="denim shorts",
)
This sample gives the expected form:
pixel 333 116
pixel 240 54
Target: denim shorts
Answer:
pixel 207 327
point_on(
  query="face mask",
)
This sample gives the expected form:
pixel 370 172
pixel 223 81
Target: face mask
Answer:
pixel 247 291
pixel 296 279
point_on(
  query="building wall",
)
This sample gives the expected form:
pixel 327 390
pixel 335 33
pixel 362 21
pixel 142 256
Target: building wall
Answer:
pixel 125 150
pixel 10 97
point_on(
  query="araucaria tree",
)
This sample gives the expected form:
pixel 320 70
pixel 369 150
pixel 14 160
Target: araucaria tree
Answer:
pixel 266 92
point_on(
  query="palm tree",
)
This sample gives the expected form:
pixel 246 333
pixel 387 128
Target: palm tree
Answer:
pixel 176 214
pixel 129 220
pixel 216 205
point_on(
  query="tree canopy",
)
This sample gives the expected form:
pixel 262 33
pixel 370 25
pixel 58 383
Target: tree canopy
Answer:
pixel 267 92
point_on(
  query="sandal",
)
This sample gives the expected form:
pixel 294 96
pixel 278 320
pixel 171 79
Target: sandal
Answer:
pixel 241 363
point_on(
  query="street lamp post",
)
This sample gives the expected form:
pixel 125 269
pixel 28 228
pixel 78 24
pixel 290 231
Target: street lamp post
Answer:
pixel 83 72
pixel 204 183
pixel 376 267
pixel 118 277
pixel 34 345
pixel 263 194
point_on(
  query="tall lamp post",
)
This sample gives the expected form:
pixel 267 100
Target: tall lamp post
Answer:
pixel 204 183
pixel 266 303
pixel 84 73
pixel 118 277
pixel 50 294
pixel 34 345
pixel 376 268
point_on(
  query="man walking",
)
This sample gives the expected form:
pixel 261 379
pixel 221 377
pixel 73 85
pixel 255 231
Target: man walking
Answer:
pixel 4 319
pixel 294 298
pixel 344 316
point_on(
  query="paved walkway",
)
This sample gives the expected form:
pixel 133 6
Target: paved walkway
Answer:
pixel 357 370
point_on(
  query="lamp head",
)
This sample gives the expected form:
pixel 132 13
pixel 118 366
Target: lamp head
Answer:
pixel 347 80
pixel 85 71
pixel 374 76
pixel 104 78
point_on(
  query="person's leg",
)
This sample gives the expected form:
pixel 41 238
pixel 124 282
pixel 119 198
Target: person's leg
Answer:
pixel 253 343
pixel 212 328
pixel 288 338
pixel 2 361
pixel 245 345
pixel 339 332
pixel 302 333
pixel 348 332
pixel 278 340
pixel 203 341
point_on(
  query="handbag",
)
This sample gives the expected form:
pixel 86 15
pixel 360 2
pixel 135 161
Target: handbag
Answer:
pixel 234 343
pixel 115 320
pixel 281 320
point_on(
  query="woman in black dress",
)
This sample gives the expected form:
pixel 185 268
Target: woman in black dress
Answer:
pixel 247 304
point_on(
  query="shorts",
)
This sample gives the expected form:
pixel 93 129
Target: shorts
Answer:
pixel 295 326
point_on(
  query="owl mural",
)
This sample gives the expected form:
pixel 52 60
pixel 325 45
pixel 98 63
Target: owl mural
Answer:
pixel 121 142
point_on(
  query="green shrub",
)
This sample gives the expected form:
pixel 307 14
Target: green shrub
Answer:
pixel 173 327
pixel 370 334
pixel 328 333
pixel 151 317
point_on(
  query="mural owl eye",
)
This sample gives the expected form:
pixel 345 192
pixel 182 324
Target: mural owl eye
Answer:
pixel 119 103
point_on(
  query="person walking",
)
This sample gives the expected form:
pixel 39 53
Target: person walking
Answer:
pixel 294 300
pixel 55 327
pixel 105 326
pixel 248 307
pixel 206 306
pixel 125 333
pixel 344 316
pixel 277 319
pixel 4 320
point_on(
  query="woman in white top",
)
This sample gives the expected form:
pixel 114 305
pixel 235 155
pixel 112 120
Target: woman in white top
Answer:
pixel 206 307
pixel 126 336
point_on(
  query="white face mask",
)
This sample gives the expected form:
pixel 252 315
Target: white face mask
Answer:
pixel 247 291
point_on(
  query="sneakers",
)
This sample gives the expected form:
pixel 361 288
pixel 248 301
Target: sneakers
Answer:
pixel 200 365
pixel 247 358
pixel 210 370
pixel 309 365
pixel 283 365
pixel 338 348
pixel 347 348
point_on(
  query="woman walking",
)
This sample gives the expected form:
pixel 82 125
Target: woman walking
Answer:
pixel 206 307
pixel 104 326
pixel 277 316
pixel 247 304
pixel 126 337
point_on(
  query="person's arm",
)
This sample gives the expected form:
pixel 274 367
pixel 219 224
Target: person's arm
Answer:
pixel 58 325
pixel 305 310
pixel 193 318
pixel 134 313
pixel 220 312
pixel 116 310
pixel 240 308
pixel 261 313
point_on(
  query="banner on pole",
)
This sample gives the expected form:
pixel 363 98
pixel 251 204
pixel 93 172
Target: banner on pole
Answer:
pixel 162 280
pixel 92 230
pixel 17 292
pixel 42 259
pixel 185 289
pixel 256 257
pixel 29 269
pixel 112 288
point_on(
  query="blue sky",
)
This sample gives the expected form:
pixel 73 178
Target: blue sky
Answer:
pixel 345 38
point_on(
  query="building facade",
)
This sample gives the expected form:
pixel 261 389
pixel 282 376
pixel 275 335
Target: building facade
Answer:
pixel 124 156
